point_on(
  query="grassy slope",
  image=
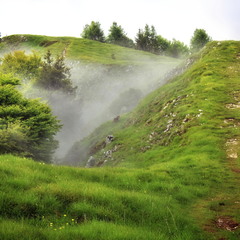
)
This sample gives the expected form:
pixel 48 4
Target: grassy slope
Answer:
pixel 183 129
pixel 49 202
pixel 81 49
pixel 178 179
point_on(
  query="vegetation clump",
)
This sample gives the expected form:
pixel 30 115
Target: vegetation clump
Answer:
pixel 119 37
pixel 147 40
pixel 199 39
pixel 27 126
pixel 93 32
pixel 55 75
pixel 50 74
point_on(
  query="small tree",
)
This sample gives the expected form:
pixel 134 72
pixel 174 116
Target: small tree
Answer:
pixel 116 33
pixel 118 36
pixel 163 45
pixel 199 40
pixel 93 32
pixel 147 40
pixel 178 49
pixel 21 65
pixel 27 126
pixel 140 40
pixel 55 75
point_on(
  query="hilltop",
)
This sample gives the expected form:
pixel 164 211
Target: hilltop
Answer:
pixel 169 170
pixel 80 49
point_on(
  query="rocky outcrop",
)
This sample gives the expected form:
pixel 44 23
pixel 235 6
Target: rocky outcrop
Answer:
pixel 91 162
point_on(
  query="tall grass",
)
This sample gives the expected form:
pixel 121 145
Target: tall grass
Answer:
pixel 170 184
pixel 48 202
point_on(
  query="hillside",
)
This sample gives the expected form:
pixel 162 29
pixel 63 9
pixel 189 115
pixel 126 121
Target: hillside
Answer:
pixel 79 49
pixel 170 169
pixel 102 73
pixel 189 129
pixel 191 110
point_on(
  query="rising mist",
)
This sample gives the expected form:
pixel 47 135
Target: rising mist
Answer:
pixel 103 92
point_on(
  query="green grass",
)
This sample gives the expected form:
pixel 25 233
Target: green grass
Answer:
pixel 169 176
pixel 84 50
pixel 49 202
pixel 188 111
pixel 181 129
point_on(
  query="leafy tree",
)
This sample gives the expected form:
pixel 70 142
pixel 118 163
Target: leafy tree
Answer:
pixel 21 65
pixel 51 74
pixel 14 140
pixel 55 75
pixel 146 39
pixel 118 36
pixel 116 33
pixel 93 32
pixel 163 45
pixel 153 39
pixel 199 40
pixel 27 126
pixel 140 40
pixel 178 49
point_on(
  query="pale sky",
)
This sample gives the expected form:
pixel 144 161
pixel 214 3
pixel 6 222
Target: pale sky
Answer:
pixel 171 18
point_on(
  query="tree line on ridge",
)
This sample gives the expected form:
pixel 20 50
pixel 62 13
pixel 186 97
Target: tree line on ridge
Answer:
pixel 146 39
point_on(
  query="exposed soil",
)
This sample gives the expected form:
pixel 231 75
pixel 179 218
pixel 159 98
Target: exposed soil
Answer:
pixel 233 145
pixel 226 223
pixel 232 148
pixel 233 105
pixel 47 43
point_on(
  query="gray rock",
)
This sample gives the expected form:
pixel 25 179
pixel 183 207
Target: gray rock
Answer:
pixel 91 162
pixel 109 139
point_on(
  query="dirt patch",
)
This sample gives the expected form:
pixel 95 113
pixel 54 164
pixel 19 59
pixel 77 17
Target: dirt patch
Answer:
pixel 47 43
pixel 232 122
pixel 236 170
pixel 232 147
pixel 226 223
pixel 233 105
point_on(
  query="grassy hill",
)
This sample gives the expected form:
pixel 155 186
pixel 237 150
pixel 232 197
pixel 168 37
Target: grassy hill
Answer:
pixel 188 128
pixel 80 49
pixel 102 73
pixel 192 110
pixel 172 169
pixel 48 202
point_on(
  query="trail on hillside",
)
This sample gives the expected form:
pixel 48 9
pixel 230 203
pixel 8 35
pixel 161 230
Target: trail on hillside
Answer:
pixel 233 144
pixel 223 221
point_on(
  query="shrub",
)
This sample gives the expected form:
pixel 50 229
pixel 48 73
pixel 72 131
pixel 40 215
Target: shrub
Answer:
pixel 21 65
pixel 14 139
pixel 55 75
pixel 27 125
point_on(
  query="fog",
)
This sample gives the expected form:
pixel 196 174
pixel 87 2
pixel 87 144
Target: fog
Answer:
pixel 103 92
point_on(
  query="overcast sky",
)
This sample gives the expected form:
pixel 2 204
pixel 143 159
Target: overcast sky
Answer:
pixel 171 18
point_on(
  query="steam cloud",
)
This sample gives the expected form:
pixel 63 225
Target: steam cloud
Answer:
pixel 99 88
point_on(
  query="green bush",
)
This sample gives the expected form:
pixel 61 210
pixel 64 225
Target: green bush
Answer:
pixel 14 139
pixel 27 126
pixel 22 65
pixel 55 75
